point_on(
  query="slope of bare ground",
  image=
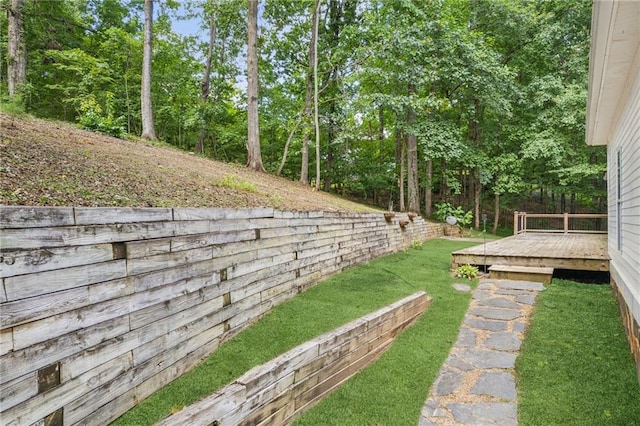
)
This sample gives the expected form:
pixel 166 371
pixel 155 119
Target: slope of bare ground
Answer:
pixel 57 164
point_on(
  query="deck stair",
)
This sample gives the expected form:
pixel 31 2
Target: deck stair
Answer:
pixel 521 273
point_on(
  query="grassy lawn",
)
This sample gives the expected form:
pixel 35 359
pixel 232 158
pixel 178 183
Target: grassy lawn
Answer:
pixel 576 367
pixel 392 391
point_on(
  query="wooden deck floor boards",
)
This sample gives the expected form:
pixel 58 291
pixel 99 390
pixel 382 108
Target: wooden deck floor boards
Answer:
pixel 573 251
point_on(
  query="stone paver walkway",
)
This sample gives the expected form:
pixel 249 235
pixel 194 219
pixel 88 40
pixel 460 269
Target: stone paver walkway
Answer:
pixel 476 385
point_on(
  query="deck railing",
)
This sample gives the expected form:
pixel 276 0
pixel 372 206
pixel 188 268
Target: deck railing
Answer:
pixel 565 223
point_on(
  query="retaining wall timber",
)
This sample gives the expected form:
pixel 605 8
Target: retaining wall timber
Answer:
pixel 278 391
pixel 100 307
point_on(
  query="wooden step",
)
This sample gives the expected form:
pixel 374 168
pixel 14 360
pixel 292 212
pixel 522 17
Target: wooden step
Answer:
pixel 521 273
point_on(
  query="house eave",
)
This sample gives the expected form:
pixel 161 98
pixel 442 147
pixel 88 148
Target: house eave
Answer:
pixel 615 37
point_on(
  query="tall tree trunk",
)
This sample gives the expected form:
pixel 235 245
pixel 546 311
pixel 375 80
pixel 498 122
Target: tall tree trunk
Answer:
pixel 17 55
pixel 400 156
pixel 205 86
pixel 412 160
pixel 254 156
pixel 444 187
pixel 285 153
pixel 330 136
pixel 316 120
pixel 477 195
pixel 148 131
pixel 475 136
pixel 496 213
pixel 428 193
pixel 308 100
pixel 572 207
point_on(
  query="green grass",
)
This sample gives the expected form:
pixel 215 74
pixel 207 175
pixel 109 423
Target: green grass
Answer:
pixel 391 391
pixel 576 367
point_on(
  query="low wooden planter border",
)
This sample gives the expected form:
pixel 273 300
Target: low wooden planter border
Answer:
pixel 278 391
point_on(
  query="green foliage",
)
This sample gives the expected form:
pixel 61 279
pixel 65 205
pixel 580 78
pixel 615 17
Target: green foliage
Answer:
pixel 233 182
pixel 444 210
pixel 92 118
pixel 13 106
pixel 467 271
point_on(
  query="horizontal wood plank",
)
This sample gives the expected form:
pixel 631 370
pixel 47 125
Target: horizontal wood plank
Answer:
pixel 20 262
pixel 167 260
pixel 105 215
pixel 35 217
pixel 35 308
pixel 18 390
pixel 28 334
pixel 30 285
pixel 196 213
pixel 33 238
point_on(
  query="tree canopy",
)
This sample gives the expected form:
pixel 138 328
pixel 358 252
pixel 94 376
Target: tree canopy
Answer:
pixel 479 103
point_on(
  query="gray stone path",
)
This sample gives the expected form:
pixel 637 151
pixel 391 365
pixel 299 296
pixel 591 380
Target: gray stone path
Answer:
pixel 476 385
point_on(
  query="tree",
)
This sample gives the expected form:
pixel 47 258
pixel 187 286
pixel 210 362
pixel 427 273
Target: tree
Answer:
pixel 17 57
pixel 148 131
pixel 205 86
pixel 316 122
pixel 310 94
pixel 254 157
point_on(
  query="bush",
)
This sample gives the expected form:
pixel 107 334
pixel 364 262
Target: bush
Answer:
pixel 92 118
pixel 444 210
pixel 467 271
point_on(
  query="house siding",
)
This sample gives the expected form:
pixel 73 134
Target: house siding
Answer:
pixel 625 253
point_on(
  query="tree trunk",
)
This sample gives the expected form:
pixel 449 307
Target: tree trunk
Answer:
pixel 148 131
pixel 254 156
pixel 17 55
pixel 444 186
pixel 205 86
pixel 400 156
pixel 428 193
pixel 477 194
pixel 308 99
pixel 316 120
pixel 496 213
pixel 330 136
pixel 412 160
pixel 572 207
pixel 286 145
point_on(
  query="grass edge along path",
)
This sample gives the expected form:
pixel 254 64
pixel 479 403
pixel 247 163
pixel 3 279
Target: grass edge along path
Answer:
pixel 398 383
pixel 575 365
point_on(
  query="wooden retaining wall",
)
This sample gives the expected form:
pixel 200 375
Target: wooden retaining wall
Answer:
pixel 100 307
pixel 278 391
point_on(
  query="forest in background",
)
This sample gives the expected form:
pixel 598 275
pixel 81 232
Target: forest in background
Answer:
pixel 404 104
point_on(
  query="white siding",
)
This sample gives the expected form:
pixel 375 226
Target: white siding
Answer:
pixel 625 262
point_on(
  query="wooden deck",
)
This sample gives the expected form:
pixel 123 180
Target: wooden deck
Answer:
pixel 580 252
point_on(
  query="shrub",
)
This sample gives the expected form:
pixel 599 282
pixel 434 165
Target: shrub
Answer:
pixel 92 118
pixel 444 210
pixel 467 271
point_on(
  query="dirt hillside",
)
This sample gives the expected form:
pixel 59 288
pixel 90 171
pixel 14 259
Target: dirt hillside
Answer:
pixel 57 164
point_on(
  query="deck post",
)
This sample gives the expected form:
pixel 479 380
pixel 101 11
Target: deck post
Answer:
pixel 515 222
pixel 566 223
